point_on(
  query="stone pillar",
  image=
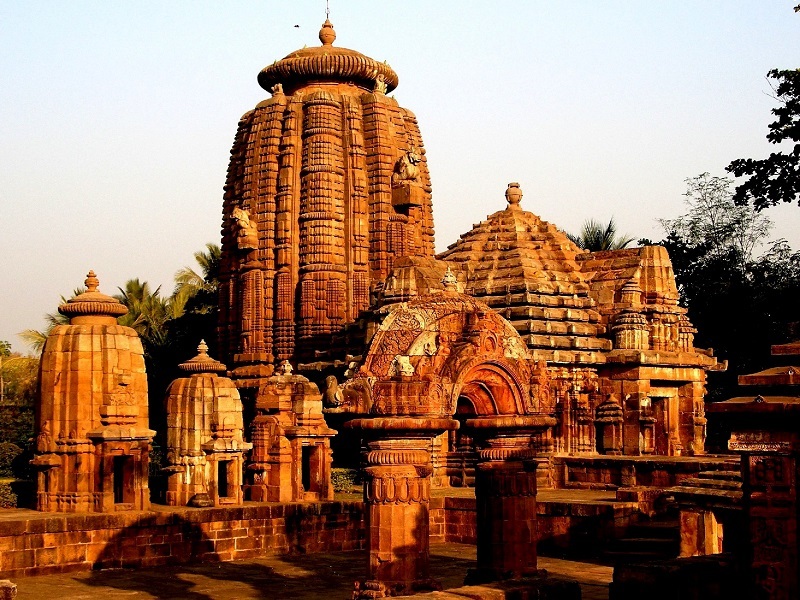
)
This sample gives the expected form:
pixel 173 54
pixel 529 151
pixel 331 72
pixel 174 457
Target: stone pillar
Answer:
pixel 505 494
pixel 770 462
pixel 397 494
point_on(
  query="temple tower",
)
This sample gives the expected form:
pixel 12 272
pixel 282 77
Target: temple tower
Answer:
pixel 92 435
pixel 327 184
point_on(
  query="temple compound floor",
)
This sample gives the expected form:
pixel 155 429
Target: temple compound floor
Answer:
pixel 326 575
pixel 314 575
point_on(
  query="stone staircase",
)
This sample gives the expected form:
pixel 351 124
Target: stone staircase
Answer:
pixel 724 487
pixel 658 538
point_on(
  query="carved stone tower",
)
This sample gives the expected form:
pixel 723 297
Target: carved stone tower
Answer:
pixel 327 184
pixel 92 438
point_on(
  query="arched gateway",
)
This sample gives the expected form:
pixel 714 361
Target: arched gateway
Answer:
pixel 433 358
pixel 448 355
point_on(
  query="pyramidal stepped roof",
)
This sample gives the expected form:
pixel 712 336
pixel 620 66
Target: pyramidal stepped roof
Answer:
pixel 526 268
pixel 518 251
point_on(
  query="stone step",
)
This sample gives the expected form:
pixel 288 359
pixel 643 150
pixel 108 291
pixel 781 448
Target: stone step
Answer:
pixel 717 484
pixel 643 555
pixel 656 539
pixel 645 544
pixel 724 475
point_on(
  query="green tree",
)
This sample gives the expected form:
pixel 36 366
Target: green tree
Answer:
pixel 18 378
pixel 148 312
pixel 740 303
pixel 595 237
pixel 714 224
pixel 190 284
pixel 776 178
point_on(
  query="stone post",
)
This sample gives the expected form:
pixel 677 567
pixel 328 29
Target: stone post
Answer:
pixel 397 495
pixel 769 472
pixel 8 590
pixel 767 436
pixel 505 494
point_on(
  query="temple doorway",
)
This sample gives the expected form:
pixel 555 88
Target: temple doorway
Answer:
pixel 665 411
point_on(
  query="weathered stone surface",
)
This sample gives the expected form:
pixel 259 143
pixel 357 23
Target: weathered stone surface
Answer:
pixel 8 590
pixel 35 544
pixel 766 433
pixel 397 495
pixel 606 324
pixel 92 437
pixel 541 587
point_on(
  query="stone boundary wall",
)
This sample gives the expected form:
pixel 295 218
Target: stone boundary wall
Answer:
pixel 33 543
pixel 45 543
pixel 564 527
pixel 612 472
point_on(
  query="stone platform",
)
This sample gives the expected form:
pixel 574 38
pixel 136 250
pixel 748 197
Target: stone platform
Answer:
pixel 34 543
pixel 325 575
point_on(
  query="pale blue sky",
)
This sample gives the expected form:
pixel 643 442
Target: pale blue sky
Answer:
pixel 118 117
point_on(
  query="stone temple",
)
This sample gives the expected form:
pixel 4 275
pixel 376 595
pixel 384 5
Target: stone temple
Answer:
pixel 563 386
pixel 327 224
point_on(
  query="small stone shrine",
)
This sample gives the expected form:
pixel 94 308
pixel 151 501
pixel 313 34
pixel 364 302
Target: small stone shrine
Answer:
pixel 205 443
pixel 291 457
pixel 92 437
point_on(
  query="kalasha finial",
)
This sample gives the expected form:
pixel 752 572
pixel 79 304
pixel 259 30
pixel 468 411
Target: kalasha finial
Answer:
pixel 513 194
pixel 285 368
pixel 92 303
pixel 202 363
pixel 449 281
pixel 91 282
pixel 327 35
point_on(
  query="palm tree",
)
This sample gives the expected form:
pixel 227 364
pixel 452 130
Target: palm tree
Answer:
pixel 594 237
pixel 148 311
pixel 35 338
pixel 189 284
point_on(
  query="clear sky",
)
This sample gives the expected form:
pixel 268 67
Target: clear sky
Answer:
pixel 118 117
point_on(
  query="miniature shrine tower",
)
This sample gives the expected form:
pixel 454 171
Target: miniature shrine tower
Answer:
pixel 327 184
pixel 205 435
pixel 92 435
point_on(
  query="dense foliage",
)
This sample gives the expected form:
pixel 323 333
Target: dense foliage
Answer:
pixel 776 178
pixel 741 304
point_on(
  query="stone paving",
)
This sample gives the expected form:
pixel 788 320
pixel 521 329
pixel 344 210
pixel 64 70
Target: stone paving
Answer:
pixel 303 577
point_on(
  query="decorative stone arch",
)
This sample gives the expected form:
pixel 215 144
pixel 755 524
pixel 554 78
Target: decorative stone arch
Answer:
pixel 492 387
pixel 438 348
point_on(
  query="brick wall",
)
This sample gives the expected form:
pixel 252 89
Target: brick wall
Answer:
pixel 40 543
pixel 33 543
